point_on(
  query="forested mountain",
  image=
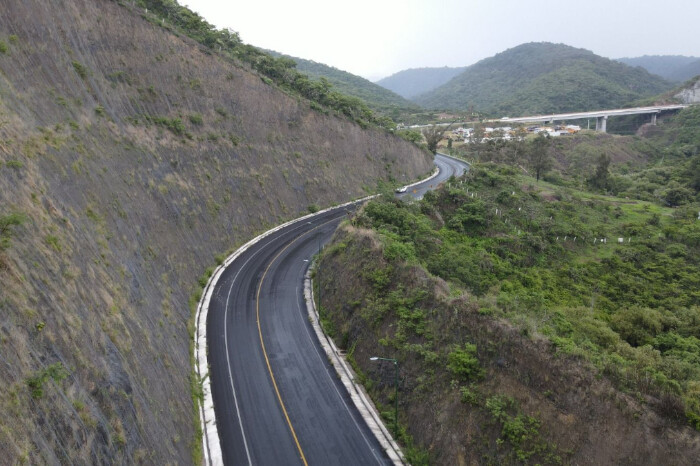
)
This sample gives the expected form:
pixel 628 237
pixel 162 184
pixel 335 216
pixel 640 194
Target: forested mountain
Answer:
pixel 543 78
pixel 416 81
pixel 687 72
pixel 671 67
pixel 137 145
pixel 376 97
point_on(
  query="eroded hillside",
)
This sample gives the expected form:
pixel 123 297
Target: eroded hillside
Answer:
pixel 130 158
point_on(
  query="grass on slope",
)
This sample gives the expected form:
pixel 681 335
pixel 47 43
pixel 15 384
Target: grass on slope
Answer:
pixel 548 259
pixel 281 71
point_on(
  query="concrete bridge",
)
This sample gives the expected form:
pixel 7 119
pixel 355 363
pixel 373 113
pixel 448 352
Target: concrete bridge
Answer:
pixel 601 116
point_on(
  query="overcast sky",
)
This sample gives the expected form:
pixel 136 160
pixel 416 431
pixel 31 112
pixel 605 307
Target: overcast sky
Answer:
pixel 376 38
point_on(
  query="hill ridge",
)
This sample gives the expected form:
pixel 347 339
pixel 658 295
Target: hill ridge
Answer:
pixel 676 68
pixel 542 77
pixel 413 82
pixel 377 97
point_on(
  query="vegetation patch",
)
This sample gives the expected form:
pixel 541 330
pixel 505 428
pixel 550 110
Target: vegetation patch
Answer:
pixel 8 223
pixel 56 372
pixel 80 69
pixel 524 300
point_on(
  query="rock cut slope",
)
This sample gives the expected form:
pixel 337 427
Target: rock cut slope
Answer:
pixel 130 157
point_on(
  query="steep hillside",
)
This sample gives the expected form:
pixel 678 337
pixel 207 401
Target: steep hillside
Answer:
pixel 667 66
pixel 377 97
pixel 521 336
pixel 416 81
pixel 543 78
pixel 130 157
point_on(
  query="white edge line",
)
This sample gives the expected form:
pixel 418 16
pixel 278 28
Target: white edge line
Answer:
pixel 210 434
pixel 347 376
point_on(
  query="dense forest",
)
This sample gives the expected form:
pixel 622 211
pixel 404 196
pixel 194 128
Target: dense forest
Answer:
pixel 543 78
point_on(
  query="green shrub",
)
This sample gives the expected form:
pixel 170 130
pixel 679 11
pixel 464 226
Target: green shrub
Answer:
pixel 57 372
pixel 498 406
pixel 196 119
pixel 469 396
pixel 638 326
pixel 54 242
pixel 174 125
pixel 80 69
pixel 7 224
pixel 3 47
pixel 463 363
pixel 394 250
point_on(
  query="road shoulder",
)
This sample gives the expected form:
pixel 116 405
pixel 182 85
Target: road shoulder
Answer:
pixel 348 378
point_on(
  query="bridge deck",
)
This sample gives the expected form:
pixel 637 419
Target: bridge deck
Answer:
pixel 595 114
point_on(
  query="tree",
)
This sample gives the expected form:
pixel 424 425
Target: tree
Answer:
pixel 601 177
pixel 516 149
pixel 433 135
pixel 693 173
pixel 478 134
pixel 539 155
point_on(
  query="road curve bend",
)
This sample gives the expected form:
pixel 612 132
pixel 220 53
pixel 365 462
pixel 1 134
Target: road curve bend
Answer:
pixel 275 396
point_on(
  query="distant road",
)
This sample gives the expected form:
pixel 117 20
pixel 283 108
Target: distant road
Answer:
pixel 276 397
pixel 447 166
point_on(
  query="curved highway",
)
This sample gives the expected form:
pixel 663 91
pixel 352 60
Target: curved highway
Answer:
pixel 447 167
pixel 277 399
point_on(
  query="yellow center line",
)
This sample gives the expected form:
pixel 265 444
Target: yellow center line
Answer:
pixel 262 342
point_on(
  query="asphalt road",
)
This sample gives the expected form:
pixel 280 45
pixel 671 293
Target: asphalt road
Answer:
pixel 277 399
pixel 448 167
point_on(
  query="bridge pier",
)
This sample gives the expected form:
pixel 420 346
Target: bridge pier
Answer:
pixel 601 124
pixel 653 118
